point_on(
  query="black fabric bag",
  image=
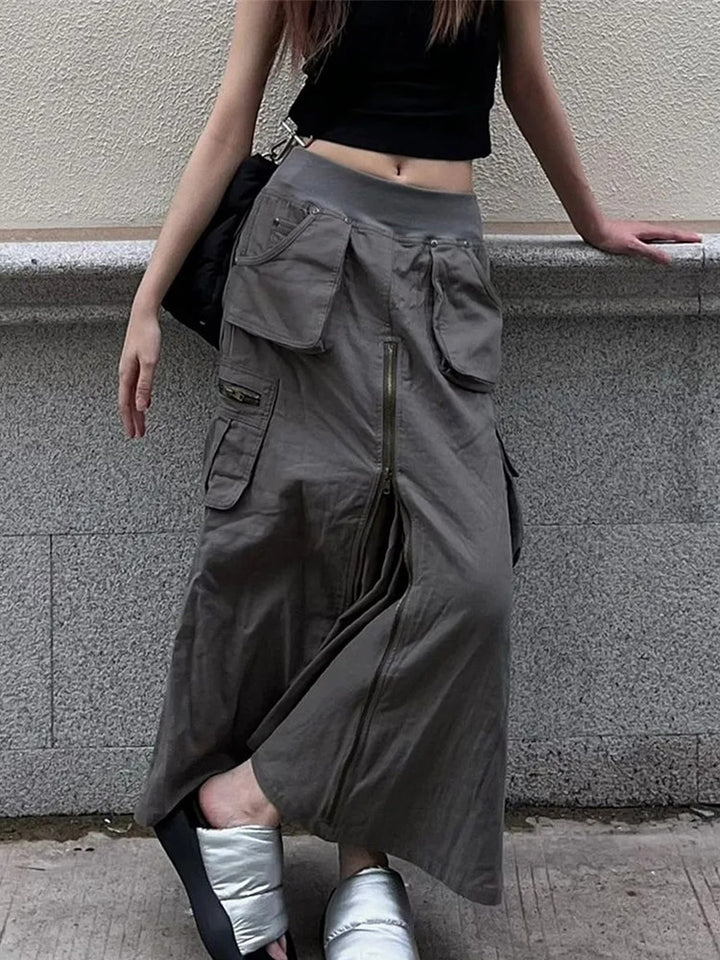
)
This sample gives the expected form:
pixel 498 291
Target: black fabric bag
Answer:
pixel 194 298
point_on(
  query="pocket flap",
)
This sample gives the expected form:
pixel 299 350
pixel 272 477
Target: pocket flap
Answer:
pixel 244 394
pixel 284 293
pixel 236 433
pixel 466 319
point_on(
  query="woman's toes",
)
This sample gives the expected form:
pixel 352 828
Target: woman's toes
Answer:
pixel 277 950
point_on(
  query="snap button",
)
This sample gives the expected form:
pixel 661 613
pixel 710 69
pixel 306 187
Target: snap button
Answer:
pixel 466 243
pixel 433 242
pixel 313 209
pixel 346 219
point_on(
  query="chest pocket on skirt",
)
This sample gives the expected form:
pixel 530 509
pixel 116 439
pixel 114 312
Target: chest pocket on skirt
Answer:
pixel 467 316
pixel 513 500
pixel 285 270
pixel 236 432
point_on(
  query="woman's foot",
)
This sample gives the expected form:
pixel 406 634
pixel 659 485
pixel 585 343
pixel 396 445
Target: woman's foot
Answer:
pixel 234 799
pixel 353 859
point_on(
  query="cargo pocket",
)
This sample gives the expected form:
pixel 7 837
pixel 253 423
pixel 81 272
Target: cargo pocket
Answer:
pixel 245 403
pixel 515 513
pixel 467 317
pixel 285 270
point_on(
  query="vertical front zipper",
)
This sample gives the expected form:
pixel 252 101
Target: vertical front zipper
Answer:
pixel 384 489
pixel 383 486
pixel 389 391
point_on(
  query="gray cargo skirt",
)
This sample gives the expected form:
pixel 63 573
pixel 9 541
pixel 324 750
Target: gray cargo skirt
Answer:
pixel 346 619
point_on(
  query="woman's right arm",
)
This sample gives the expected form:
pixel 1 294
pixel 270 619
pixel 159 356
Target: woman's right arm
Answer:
pixel 226 139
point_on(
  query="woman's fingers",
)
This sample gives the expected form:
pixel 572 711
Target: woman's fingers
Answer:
pixel 143 394
pixel 143 391
pixel 138 363
pixel 648 251
pixel 652 231
pixel 277 950
pixel 139 422
pixel 640 239
pixel 644 236
pixel 126 393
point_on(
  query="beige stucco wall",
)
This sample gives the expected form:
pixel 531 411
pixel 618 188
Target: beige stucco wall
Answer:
pixel 101 104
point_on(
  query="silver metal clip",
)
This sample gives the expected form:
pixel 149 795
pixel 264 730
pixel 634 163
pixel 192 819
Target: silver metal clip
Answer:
pixel 279 150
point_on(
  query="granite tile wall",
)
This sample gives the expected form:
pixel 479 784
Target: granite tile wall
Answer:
pixel 609 407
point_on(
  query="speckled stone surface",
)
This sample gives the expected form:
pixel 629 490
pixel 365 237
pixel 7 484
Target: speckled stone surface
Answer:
pixel 25 642
pixel 614 420
pixel 703 411
pixel 608 403
pixel 583 771
pixel 566 277
pixel 710 287
pixel 616 631
pixel 70 272
pixel 69 467
pixel 603 771
pixel 116 604
pixel 81 780
pixel 536 276
pixel 599 415
pixel 709 767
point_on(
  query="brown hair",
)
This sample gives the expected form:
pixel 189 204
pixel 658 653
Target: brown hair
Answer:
pixel 309 27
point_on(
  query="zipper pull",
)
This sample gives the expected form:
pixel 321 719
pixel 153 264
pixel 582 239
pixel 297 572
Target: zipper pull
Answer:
pixel 387 480
pixel 241 394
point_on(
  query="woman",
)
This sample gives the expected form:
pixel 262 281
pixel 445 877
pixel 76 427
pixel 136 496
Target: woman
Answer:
pixel 342 659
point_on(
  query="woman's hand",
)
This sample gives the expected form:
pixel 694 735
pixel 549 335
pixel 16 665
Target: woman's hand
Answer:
pixel 634 238
pixel 138 362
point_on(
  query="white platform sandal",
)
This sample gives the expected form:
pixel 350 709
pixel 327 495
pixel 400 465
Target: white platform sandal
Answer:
pixel 368 917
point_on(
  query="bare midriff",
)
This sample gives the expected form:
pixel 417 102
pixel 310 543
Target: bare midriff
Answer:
pixel 453 175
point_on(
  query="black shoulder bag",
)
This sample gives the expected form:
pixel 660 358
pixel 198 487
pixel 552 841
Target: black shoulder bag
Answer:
pixel 194 298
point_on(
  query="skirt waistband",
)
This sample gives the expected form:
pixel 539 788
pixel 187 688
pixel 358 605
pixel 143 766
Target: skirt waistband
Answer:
pixel 397 207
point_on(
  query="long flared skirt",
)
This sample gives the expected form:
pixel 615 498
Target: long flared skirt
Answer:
pixel 346 619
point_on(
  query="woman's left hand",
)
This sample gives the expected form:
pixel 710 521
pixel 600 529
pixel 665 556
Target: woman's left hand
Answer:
pixel 633 237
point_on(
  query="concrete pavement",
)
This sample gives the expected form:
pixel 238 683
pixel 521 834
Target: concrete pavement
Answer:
pixel 575 890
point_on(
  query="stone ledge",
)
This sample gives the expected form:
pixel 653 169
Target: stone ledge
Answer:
pixel 536 275
pixel 541 276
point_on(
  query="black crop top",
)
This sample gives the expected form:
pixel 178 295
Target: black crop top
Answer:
pixel 378 88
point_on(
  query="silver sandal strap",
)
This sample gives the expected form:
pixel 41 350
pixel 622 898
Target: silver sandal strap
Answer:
pixel 244 868
pixel 369 915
